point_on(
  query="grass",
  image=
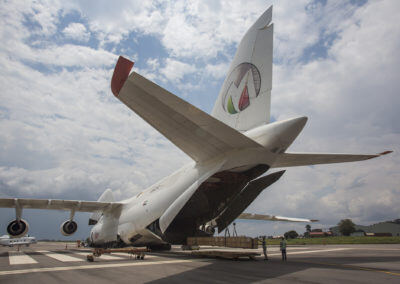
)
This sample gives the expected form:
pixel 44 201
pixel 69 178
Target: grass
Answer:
pixel 338 241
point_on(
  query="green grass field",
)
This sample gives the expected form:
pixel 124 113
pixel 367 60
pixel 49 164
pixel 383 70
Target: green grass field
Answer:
pixel 338 240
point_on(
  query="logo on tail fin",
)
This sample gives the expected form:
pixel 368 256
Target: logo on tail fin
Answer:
pixel 242 85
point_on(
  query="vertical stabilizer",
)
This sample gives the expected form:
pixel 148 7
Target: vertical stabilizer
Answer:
pixel 107 196
pixel 245 97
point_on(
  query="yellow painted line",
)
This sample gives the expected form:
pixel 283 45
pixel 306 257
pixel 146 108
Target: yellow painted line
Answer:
pixel 94 266
pixel 17 257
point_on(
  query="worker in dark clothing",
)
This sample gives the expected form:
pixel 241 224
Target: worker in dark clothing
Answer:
pixel 283 249
pixel 264 246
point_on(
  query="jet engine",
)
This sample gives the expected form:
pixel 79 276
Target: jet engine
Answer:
pixel 17 228
pixel 68 227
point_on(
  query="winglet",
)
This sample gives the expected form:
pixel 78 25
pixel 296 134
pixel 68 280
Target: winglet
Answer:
pixel 385 153
pixel 121 73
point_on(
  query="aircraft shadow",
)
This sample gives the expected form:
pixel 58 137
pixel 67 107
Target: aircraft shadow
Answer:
pixel 244 271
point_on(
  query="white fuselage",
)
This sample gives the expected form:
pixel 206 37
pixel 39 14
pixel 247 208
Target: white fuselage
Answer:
pixel 144 208
pixel 7 241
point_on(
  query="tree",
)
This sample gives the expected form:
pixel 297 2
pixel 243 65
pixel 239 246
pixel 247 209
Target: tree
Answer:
pixel 346 227
pixel 291 235
pixel 308 230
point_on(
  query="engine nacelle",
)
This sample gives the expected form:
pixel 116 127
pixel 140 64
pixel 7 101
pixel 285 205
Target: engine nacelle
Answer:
pixel 68 228
pixel 17 229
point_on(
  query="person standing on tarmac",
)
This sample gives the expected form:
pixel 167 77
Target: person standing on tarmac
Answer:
pixel 283 249
pixel 264 246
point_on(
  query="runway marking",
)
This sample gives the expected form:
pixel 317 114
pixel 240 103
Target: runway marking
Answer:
pixel 103 256
pixel 291 248
pixel 60 256
pixel 127 255
pixel 17 257
pixel 95 266
pixel 309 251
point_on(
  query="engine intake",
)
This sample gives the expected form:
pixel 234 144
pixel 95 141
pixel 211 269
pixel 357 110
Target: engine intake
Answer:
pixel 18 229
pixel 68 228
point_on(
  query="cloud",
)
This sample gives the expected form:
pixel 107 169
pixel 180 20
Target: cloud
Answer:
pixel 217 70
pixel 77 31
pixel 175 70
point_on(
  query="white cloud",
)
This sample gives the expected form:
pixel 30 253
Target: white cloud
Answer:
pixel 217 70
pixel 175 70
pixel 77 31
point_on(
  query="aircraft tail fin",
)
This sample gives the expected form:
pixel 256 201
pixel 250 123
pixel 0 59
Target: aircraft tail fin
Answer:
pixel 107 196
pixel 244 99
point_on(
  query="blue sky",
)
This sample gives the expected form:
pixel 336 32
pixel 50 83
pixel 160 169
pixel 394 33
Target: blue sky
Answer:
pixel 63 134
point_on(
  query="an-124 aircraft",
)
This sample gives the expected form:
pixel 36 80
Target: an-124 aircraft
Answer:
pixel 232 149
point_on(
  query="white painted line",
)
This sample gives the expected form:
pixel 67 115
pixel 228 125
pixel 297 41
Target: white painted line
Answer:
pixel 309 251
pixel 103 256
pixel 17 257
pixel 278 249
pixel 122 254
pixel 95 266
pixel 127 255
pixel 60 256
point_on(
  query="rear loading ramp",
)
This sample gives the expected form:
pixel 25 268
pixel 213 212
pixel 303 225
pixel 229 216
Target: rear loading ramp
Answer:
pixel 245 198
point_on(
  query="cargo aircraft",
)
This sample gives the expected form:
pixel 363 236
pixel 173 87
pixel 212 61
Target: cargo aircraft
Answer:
pixel 10 242
pixel 232 150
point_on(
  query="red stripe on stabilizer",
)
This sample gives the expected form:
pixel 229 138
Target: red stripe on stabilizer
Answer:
pixel 244 100
pixel 121 73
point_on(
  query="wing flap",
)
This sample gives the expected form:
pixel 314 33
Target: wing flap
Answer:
pixel 250 216
pixel 58 204
pixel 195 132
pixel 307 159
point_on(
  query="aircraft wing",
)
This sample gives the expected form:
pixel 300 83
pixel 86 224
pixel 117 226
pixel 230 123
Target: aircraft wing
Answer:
pixel 57 204
pixel 195 132
pixel 249 216
pixel 306 159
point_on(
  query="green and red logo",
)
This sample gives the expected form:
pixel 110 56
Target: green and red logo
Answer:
pixel 243 85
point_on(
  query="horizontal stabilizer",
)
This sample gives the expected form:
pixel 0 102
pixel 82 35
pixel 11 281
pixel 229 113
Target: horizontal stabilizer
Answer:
pixel 307 159
pixel 57 204
pixel 249 216
pixel 195 132
pixel 244 199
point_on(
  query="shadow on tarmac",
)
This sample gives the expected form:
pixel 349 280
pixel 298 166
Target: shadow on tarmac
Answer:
pixel 244 271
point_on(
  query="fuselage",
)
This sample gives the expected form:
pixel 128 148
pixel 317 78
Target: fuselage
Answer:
pixel 141 210
pixel 7 241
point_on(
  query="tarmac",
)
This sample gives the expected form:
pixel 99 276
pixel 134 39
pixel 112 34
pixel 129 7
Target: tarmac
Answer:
pixel 51 262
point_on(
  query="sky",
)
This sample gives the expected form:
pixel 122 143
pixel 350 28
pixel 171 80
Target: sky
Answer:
pixel 63 135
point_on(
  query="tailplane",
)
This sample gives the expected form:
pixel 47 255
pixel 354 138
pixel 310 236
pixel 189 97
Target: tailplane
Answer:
pixel 245 97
